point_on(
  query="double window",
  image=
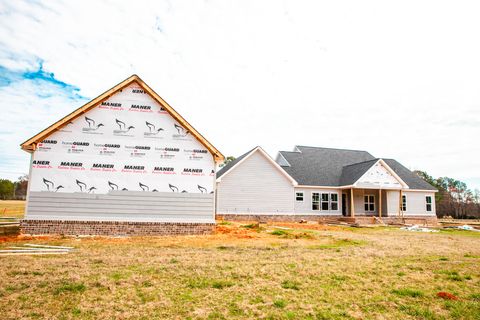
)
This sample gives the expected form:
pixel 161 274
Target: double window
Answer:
pixel 369 202
pixel 404 203
pixel 299 196
pixel 428 201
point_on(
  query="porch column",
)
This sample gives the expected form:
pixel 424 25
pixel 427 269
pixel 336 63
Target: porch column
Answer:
pixel 379 203
pixel 352 206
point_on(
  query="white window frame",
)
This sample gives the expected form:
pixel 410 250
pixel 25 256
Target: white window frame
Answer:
pixel 427 204
pixel 368 202
pixel 298 195
pixel 404 202
pixel 322 201
pixel 333 202
pixel 317 202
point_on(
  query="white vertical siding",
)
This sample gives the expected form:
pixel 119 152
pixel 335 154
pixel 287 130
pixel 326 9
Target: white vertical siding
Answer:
pixel 305 206
pixel 255 186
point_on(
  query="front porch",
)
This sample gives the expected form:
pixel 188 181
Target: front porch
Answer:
pixel 361 202
pixel 379 206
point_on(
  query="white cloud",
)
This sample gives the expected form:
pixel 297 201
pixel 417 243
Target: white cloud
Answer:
pixel 399 80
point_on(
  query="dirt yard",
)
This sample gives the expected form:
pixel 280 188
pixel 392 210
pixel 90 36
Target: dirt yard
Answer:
pixel 246 271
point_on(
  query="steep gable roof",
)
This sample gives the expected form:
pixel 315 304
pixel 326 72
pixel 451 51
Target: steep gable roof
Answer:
pixel 314 166
pixel 30 144
pixel 231 166
pixel 351 173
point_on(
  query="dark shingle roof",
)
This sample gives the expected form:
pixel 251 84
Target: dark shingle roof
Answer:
pixel 411 179
pixel 232 163
pixel 315 166
pixel 353 172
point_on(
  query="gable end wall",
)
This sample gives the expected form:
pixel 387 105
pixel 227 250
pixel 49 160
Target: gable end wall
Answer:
pixel 255 186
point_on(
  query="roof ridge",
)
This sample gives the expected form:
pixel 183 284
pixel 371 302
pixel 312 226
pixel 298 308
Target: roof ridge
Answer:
pixel 353 164
pixel 331 148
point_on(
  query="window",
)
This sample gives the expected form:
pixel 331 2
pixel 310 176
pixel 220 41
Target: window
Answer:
pixel 299 196
pixel 428 200
pixel 404 203
pixel 369 203
pixel 315 201
pixel 334 201
pixel 324 201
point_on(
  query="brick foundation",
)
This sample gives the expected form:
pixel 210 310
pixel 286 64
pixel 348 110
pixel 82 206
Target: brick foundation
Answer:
pixel 275 217
pixel 114 228
pixel 420 220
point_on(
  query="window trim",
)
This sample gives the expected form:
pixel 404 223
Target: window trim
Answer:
pixel 317 202
pixel 299 194
pixel 368 203
pixel 333 202
pixel 429 204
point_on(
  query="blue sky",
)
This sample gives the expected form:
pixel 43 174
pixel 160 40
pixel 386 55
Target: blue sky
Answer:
pixel 397 79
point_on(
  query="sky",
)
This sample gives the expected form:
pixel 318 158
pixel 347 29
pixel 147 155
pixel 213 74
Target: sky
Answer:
pixel 398 79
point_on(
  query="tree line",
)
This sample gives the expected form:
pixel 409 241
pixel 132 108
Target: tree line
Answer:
pixel 14 190
pixel 453 197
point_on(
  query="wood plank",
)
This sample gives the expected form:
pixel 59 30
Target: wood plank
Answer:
pixel 352 210
pixel 380 203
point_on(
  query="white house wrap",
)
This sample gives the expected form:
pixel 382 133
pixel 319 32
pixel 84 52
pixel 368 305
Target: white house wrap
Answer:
pixel 127 156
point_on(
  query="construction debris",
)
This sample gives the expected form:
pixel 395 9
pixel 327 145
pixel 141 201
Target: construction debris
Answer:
pixel 464 227
pixel 35 249
pixel 418 229
pixel 467 227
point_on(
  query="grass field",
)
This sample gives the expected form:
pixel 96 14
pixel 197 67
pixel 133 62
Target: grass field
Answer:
pixel 310 272
pixel 12 208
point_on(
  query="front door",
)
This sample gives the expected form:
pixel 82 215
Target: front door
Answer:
pixel 344 204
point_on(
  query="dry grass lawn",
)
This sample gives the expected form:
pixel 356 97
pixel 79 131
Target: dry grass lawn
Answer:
pixel 12 208
pixel 311 272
